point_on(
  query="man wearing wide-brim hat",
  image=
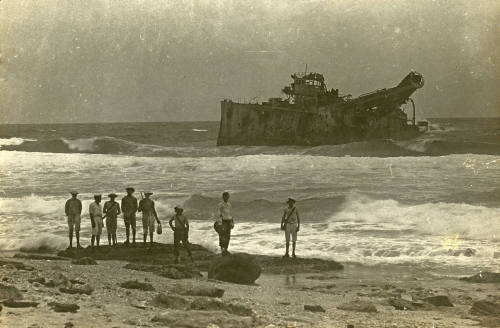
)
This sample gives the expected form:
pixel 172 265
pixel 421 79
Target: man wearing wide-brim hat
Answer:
pixel 95 212
pixel 149 215
pixel 73 210
pixel 290 222
pixel 111 211
pixel 129 208
pixel 180 225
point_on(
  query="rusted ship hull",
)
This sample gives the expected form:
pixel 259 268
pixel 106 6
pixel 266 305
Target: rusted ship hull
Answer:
pixel 254 124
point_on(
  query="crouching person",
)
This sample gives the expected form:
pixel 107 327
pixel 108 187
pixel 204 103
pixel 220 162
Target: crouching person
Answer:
pixel 180 225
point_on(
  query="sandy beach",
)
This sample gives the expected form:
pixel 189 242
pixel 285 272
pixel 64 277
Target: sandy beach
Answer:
pixel 131 288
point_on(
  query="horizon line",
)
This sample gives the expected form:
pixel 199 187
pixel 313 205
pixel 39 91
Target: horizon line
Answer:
pixel 210 121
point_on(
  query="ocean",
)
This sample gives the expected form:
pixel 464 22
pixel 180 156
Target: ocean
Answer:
pixel 431 201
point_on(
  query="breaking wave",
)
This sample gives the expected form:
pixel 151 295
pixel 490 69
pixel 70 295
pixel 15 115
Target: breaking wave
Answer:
pixel 377 148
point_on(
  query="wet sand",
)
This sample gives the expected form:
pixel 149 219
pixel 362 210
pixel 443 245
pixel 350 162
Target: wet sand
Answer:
pixel 276 299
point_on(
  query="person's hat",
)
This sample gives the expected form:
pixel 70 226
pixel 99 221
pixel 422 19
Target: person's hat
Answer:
pixel 130 188
pixel 178 208
pixel 112 195
pixel 148 193
pixel 97 195
pixel 73 192
pixel 291 198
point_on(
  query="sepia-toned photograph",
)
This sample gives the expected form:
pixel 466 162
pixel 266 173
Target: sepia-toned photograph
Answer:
pixel 249 163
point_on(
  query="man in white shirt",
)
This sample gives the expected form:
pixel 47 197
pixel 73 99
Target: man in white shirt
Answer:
pixel 225 223
pixel 95 212
pixel 290 222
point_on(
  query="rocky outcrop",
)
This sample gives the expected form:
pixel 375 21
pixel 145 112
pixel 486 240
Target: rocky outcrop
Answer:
pixel 358 306
pixel 9 293
pixel 405 305
pixel 483 277
pixel 134 284
pixel 58 280
pixel 84 261
pixel 439 300
pixel 314 308
pixel 485 308
pixel 170 302
pixel 215 304
pixel 235 268
pixel 168 271
pixel 19 304
pixel 202 319
pixel 201 291
pixel 85 289
pixel 64 307
pixel 16 265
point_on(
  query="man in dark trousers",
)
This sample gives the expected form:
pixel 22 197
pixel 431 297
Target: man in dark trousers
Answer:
pixel 111 211
pixel 129 208
pixel 73 209
pixel 147 207
pixel 290 222
pixel 224 223
pixel 180 225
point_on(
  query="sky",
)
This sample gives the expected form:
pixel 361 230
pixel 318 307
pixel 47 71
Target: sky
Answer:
pixel 151 60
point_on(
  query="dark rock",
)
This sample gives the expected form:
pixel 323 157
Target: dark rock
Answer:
pixel 215 304
pixel 69 324
pixel 9 293
pixel 439 300
pixel 314 308
pixel 85 289
pixel 170 302
pixel 58 280
pixel 350 326
pixel 76 282
pixel 405 305
pixel 483 277
pixel 485 308
pixel 5 279
pixel 236 268
pixel 40 280
pixel 168 271
pixel 134 284
pixel 202 319
pixel 178 272
pixel 358 306
pixel 19 304
pixel 17 265
pixel 84 261
pixel 64 307
pixel 201 291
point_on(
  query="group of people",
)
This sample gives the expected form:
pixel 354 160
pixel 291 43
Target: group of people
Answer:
pixel 290 221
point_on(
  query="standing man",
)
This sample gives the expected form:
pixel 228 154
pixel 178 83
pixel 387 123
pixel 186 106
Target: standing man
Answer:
pixel 111 211
pixel 73 209
pixel 225 223
pixel 129 207
pixel 147 207
pixel 95 211
pixel 180 227
pixel 290 222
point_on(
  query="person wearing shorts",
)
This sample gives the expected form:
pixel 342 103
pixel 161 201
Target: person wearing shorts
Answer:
pixel 290 223
pixel 180 225
pixel 149 216
pixel 111 211
pixel 73 210
pixel 129 208
pixel 95 212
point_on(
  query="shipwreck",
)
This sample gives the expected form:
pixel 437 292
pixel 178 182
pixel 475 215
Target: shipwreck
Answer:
pixel 311 114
